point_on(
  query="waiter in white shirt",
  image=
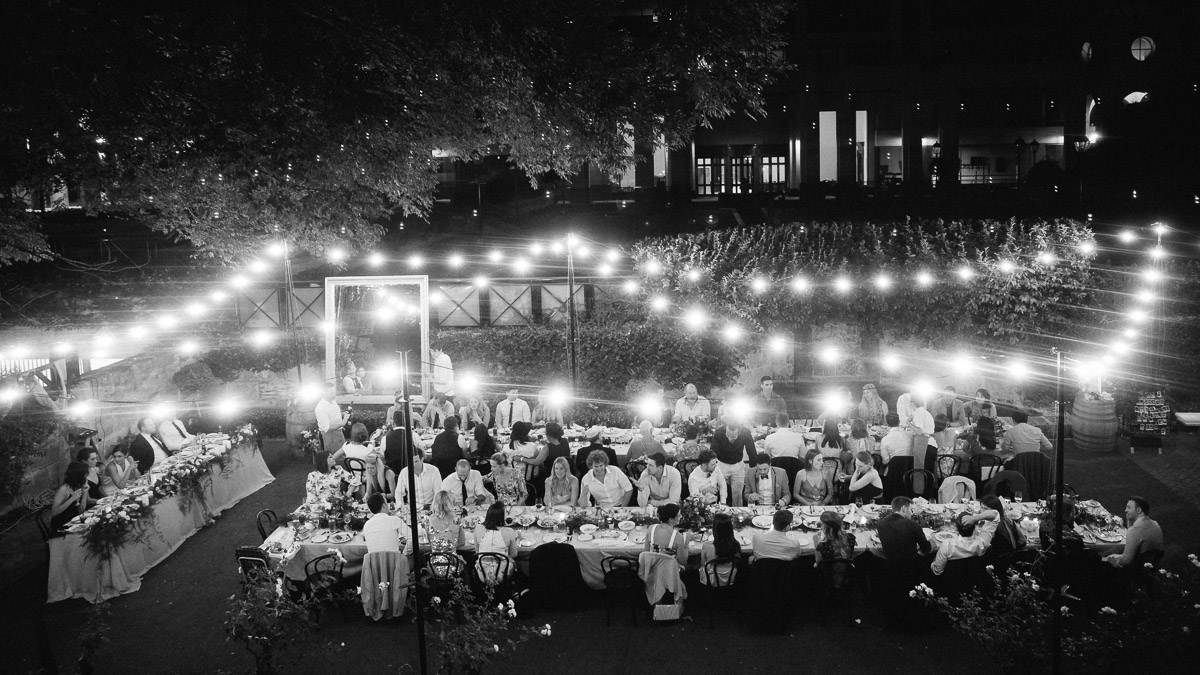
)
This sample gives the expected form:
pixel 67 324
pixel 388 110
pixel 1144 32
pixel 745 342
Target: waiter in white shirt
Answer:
pixel 173 433
pixel 331 419
pixel 512 410
pixel 442 373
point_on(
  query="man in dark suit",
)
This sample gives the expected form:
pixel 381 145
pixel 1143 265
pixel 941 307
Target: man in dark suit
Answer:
pixel 147 448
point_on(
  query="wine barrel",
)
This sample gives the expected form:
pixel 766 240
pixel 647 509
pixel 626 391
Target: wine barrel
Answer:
pixel 1094 424
pixel 298 420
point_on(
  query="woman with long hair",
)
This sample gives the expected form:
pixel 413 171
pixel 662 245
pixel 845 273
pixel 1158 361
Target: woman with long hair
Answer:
pixel 91 457
pixel 865 483
pixel 524 452
pixel 445 532
pixel 812 485
pixel 833 541
pixel 981 407
pixel 119 471
pixel 860 439
pixel 872 409
pixel 491 536
pixel 70 499
pixel 475 413
pixel 665 537
pixel 561 487
pixel 483 446
pixel 508 482
pixel 723 545
pixel 830 443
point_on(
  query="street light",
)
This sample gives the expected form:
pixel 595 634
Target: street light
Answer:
pixel 1081 147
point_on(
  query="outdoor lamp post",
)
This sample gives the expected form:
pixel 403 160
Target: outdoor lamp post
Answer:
pixel 1081 147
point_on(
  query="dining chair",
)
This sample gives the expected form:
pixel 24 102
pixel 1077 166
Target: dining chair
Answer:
pixel 948 465
pixel 620 579
pixel 266 521
pixel 719 577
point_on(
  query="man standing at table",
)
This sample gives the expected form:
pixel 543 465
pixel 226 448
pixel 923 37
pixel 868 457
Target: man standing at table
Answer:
pixel 609 487
pixel 147 448
pixel 442 372
pixel 774 543
pixel 173 433
pixel 465 486
pixel 645 445
pixel 784 441
pixel 949 405
pixel 1142 536
pixel 660 483
pixel 707 479
pixel 512 410
pixel 331 419
pixel 904 406
pixel 768 404
pixel 692 407
pixel 734 447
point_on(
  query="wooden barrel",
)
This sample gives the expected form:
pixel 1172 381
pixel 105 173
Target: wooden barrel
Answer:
pixel 1094 424
pixel 298 420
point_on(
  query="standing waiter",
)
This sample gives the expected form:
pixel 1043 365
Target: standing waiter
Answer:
pixel 331 419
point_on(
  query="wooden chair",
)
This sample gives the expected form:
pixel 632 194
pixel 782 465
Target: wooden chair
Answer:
pixel 981 468
pixel 790 465
pixel 948 465
pixel 719 576
pixel 322 577
pixel 928 489
pixel 620 578
pixel 492 569
pixel 358 469
pixel 635 468
pixel 441 570
pixel 686 467
pixel 266 521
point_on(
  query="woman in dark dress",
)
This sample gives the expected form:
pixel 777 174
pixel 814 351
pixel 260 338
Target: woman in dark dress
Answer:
pixel 556 445
pixel 91 457
pixel 70 499
pixel 483 446
pixel 865 484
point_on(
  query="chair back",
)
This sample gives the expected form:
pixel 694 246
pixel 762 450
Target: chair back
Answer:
pixel 838 573
pixel 920 483
pixel 831 468
pixel 1037 470
pixel 533 492
pixel 323 572
pixel 720 572
pixel 773 592
pixel 443 566
pixel 251 561
pixel 686 467
pixel 1068 490
pixel 635 468
pixel 619 571
pixel 1007 483
pixel 790 465
pixel 492 569
pixel 948 465
pixel 893 480
pixel 555 576
pixel 982 467
pixel 357 467
pixel 878 462
pixel 949 491
pixel 266 522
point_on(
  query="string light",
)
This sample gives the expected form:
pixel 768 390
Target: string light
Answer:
pixel 963 364
pixel 195 310
pixel 695 318
pixel 468 382
pixel 1152 275
pixel 167 321
pixel 1160 229
pixel 1007 266
pixel 965 273
pixel 1087 248
pixel 830 355
pixel 337 255
pixel 1120 347
pixel 557 248
pixel 277 249
pixel 496 256
pixel 188 347
pixel 800 284
pixel 758 285
pixel 257 266
pixel 227 407
pixel 659 303
pixel 218 296
pixel 535 248
pixel 455 261
pixel 583 251
pixel 261 338
pixel 62 349
pixel 924 279
pixel 1146 296
pixel 80 408
pixel 138 332
pixel 416 261
pixel 883 282
pixel 326 326
pixel 239 281
pixel 1046 258
pixel 1157 252
pixel 778 344
pixel 890 362
pixel 521 266
pixel 604 269
pixel 693 275
pixel 630 287
pixel 1130 333
pixel 481 282
pixel 613 255
pixel 1018 370
pixel 1138 315
pixel 733 332
pixel 653 267
pixel 1127 237
pixel 843 285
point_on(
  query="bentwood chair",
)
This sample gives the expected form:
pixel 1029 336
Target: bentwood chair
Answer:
pixel 441 571
pixel 686 467
pixel 790 465
pixel 928 486
pixel 948 465
pixel 41 517
pixel 358 469
pixel 620 578
pixel 981 469
pixel 635 468
pixel 266 522
pixel 719 577
pixel 492 570
pixel 322 578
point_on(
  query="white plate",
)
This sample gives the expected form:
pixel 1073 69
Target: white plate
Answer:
pixel 528 543
pixel 320 538
pixel 341 538
pixel 561 508
pixel 870 508
pixel 626 525
pixel 639 539
pixel 557 537
pixel 585 537
pixel 763 522
pixel 588 528
pixel 943 536
pixel 516 510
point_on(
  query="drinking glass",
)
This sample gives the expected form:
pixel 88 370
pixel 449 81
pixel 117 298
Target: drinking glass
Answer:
pixel 858 502
pixel 1017 497
pixel 346 520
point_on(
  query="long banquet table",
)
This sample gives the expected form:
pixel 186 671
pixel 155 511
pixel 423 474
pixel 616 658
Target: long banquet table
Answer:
pixel 615 542
pixel 75 572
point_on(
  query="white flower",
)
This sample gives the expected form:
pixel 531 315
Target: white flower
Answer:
pixel 990 568
pixel 279 587
pixel 1064 609
pixel 496 648
pixel 545 630
pixel 512 613
pixel 383 585
pixel 857 621
pixel 912 594
pixel 1148 566
pixel 1035 587
pixel 1107 610
pixel 1186 629
pixel 500 607
pixel 358 590
pixel 437 600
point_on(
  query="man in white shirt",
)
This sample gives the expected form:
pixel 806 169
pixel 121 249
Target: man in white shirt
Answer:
pixel 904 406
pixel 708 480
pixel 785 441
pixel 922 421
pixel 511 410
pixel 967 544
pixel 382 531
pixel 607 486
pixel 660 483
pixel 465 486
pixel 442 373
pixel 330 419
pixel 774 543
pixel 428 481
pixel 692 407
pixel 173 433
pixel 436 412
pixel 897 442
pixel 1022 437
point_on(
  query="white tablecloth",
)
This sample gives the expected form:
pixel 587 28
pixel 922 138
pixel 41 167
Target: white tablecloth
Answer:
pixel 76 573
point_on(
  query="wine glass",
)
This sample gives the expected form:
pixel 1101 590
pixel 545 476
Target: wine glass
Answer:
pixel 346 519
pixel 858 502
pixel 1017 497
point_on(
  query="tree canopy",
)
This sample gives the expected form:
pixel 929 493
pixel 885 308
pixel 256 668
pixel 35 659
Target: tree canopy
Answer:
pixel 233 121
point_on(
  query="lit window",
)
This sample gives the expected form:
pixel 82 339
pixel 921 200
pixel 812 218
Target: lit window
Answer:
pixel 1086 52
pixel 1142 48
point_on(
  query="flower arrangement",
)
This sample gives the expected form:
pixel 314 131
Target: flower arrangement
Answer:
pixel 245 434
pixel 695 513
pixel 310 440
pixel 113 525
pixel 472 631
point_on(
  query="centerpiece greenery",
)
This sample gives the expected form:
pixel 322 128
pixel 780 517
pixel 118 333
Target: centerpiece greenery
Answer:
pixel 695 513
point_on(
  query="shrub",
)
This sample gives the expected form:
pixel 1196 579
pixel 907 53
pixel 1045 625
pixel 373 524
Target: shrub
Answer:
pixel 20 437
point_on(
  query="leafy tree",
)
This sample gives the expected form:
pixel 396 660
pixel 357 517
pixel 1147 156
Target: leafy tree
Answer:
pixel 227 123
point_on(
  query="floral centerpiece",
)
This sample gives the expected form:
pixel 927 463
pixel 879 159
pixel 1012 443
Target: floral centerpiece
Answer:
pixel 310 440
pixel 245 434
pixel 695 513
pixel 110 526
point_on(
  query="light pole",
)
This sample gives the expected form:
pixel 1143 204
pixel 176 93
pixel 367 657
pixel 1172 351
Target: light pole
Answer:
pixel 1081 147
pixel 572 362
pixel 290 314
pixel 1058 502
pixel 406 439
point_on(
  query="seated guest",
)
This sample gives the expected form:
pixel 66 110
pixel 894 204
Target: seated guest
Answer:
pixel 830 443
pixel 119 472
pixel 644 444
pixel 860 439
pixel 723 545
pixel 842 407
pixel 356 448
pixel 436 412
pixel 900 537
pixel 464 486
pixel 692 407
pixel 353 382
pixel 448 447
pixel 546 412
pixel 70 499
pixel 147 448
pixel 978 439
pixel 784 441
pixel 595 438
pixel 427 479
pixel 774 543
pixel 904 406
pixel 91 457
pixel 481 449
pixel 512 410
pixel 509 483
pixel 872 409
pixel 766 485
pixel 897 442
pixel 982 406
pixel 949 405
pixel 1023 437
pixel 556 445
pixel 1008 538
pixel 660 483
pixel 562 487
pixel 865 483
pixel 706 479
pixel 395 449
pixel 445 531
pixel 491 536
pixel 524 453
pixel 475 412
pixel 173 433
pixel 691 445
pixel 975 532
pixel 1142 533
pixel 833 541
pixel 812 485
pixel 943 435
pixel 665 537
pixel 609 487
pixel 382 531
